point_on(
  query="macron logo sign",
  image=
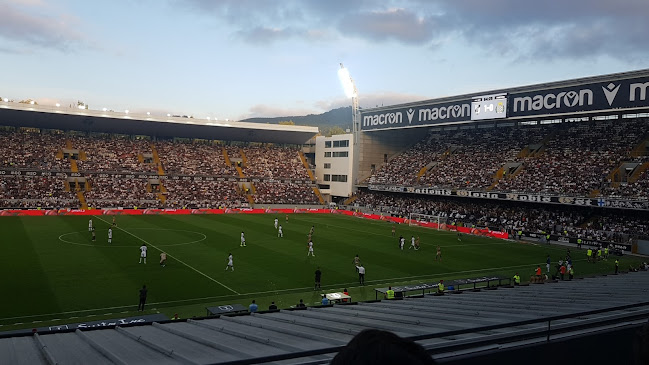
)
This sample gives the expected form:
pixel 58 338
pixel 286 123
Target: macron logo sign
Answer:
pixel 610 91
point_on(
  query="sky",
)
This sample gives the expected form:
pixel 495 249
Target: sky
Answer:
pixel 238 59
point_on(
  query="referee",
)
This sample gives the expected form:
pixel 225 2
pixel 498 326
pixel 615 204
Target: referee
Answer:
pixel 361 274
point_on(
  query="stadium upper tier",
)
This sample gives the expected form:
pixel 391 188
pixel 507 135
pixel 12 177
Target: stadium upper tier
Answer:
pixel 105 170
pixel 585 159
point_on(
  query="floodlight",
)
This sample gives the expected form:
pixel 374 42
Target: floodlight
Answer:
pixel 148 113
pixel 6 100
pixel 105 109
pixel 347 82
pixel 58 105
pixel 32 102
pixel 126 111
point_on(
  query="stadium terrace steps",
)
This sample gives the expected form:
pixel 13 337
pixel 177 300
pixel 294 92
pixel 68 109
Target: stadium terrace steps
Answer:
pixel 445 325
pixel 226 157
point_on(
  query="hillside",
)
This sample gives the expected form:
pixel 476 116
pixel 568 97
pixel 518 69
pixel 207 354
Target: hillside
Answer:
pixel 341 117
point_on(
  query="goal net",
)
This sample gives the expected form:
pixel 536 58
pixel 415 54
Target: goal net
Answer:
pixel 425 220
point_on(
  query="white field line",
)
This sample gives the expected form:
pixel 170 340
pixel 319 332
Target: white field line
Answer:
pixel 175 258
pixel 284 291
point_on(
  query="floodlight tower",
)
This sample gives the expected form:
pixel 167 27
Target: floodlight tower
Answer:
pixel 351 92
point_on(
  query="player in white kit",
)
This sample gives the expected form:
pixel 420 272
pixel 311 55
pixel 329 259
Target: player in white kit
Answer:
pixel 243 240
pixel 279 231
pixel 230 263
pixel 276 223
pixel 90 225
pixel 310 249
pixel 143 253
pixel 412 243
pixel 110 235
pixel 402 241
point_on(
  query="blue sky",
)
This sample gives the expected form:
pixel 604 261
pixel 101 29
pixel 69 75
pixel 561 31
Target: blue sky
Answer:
pixel 249 58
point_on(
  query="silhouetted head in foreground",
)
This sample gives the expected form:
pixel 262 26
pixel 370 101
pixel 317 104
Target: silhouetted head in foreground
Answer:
pixel 376 347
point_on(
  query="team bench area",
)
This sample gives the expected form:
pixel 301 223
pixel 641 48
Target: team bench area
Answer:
pixel 485 281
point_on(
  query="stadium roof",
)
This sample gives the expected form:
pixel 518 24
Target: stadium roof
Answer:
pixel 517 89
pixel 64 118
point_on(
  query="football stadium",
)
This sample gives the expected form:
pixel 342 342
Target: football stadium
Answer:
pixel 485 227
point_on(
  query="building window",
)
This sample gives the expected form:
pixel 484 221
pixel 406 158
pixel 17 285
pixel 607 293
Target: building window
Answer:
pixel 344 143
pixel 327 177
pixel 327 166
pixel 327 154
pixel 340 154
pixel 338 178
pixel 327 144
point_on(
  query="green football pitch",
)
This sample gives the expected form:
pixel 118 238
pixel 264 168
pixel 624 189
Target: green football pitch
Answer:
pixel 52 272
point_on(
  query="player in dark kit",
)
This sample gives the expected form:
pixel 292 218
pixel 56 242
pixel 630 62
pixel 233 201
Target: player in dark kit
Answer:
pixel 318 275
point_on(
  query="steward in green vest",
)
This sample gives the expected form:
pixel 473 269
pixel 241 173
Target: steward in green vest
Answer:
pixel 390 293
pixel 517 279
pixel 589 254
pixel 440 287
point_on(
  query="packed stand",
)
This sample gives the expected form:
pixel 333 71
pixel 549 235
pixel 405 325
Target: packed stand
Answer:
pixel 274 162
pixel 587 223
pixel 202 194
pixel 478 156
pixel 110 153
pixel 462 158
pixel 21 149
pixel 578 158
pixel 113 193
pixel 284 193
pixel 34 192
pixel 179 158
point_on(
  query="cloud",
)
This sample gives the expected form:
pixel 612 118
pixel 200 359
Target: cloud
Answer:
pixel 394 24
pixel 552 29
pixel 514 28
pixel 57 32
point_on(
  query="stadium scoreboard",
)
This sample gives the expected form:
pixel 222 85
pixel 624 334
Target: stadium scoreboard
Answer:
pixel 489 107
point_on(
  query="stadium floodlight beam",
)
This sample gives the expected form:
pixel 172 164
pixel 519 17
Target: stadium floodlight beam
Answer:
pixel 351 92
pixel 347 82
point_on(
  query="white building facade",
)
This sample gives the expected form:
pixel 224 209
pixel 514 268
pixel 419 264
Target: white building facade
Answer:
pixel 334 165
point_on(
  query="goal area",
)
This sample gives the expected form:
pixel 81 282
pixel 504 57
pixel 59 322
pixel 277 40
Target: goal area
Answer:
pixel 424 220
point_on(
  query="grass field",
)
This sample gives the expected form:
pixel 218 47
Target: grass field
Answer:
pixel 53 273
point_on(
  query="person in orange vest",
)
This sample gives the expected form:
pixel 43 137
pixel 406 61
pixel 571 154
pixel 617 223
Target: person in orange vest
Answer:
pixel 562 271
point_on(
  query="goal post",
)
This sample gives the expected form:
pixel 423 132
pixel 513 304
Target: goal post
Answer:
pixel 424 220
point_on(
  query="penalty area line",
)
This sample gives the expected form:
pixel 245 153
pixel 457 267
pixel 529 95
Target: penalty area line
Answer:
pixel 175 258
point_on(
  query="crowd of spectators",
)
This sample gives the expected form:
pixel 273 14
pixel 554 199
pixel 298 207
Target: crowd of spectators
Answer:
pixel 203 194
pixel 108 192
pixel 460 158
pixel 33 192
pixel 588 223
pixel 578 158
pixel 109 153
pixel 569 159
pixel 284 193
pixel 29 149
pixel 187 158
pixel 274 162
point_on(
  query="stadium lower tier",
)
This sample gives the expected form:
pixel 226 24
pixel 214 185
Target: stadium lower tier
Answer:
pixel 106 192
pixel 603 224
